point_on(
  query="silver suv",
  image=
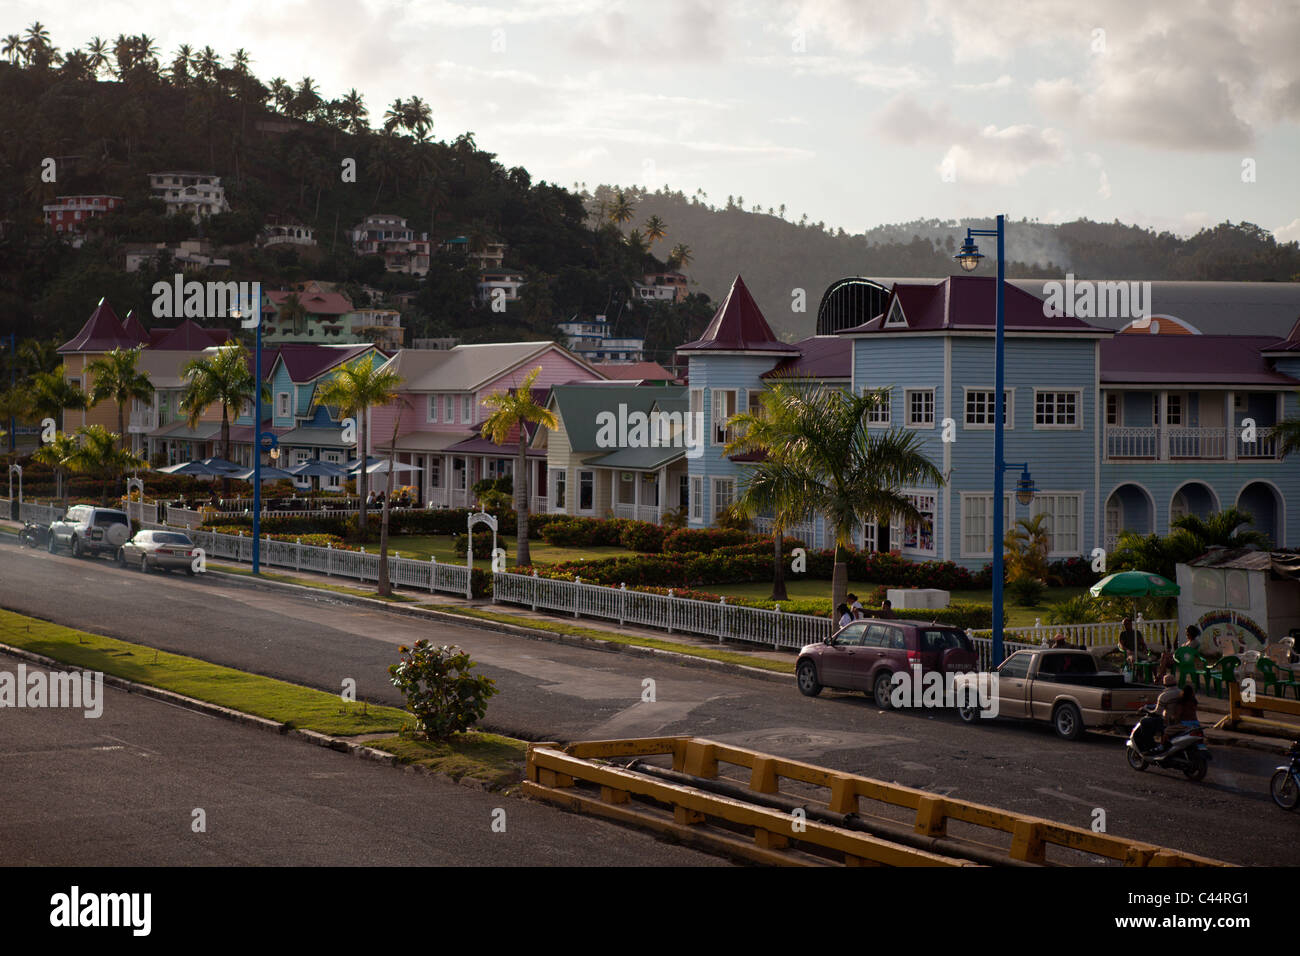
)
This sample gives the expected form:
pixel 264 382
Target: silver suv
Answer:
pixel 89 530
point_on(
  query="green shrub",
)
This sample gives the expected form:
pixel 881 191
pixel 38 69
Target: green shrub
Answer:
pixel 1027 592
pixel 642 536
pixel 700 540
pixel 1082 609
pixel 440 691
pixel 482 544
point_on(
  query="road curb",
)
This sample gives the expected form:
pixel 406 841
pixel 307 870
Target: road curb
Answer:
pixel 516 630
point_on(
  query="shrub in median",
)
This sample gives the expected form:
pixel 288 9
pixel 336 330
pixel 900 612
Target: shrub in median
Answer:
pixel 440 691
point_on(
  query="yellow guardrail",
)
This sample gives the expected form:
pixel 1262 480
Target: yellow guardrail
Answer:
pixel 553 772
pixel 1252 714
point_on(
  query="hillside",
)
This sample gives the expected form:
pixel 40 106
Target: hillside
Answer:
pixel 777 256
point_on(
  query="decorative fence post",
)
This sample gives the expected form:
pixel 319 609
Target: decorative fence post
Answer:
pixel 577 585
pixel 722 615
pixel 298 556
pixel 671 604
pixel 329 558
pixel 776 638
pixel 361 566
pixel 534 588
pixel 622 603
pixel 433 573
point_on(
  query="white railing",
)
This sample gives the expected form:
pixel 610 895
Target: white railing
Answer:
pixel 1125 441
pixel 337 562
pixel 723 621
pixel 142 512
pixel 1187 442
pixel 637 512
pixel 1264 445
pixel 41 514
pixel 184 517
pixel 1155 634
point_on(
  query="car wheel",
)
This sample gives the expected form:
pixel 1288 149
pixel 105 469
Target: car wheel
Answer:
pixel 76 547
pixel 1196 766
pixel 1135 759
pixel 882 689
pixel 1068 722
pixel 968 714
pixel 189 571
pixel 52 545
pixel 144 564
pixel 1284 789
pixel 806 676
pixel 121 557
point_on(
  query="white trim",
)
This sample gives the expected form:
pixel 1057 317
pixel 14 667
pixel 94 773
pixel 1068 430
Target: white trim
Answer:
pixel 1010 391
pixel 1279 503
pixel 945 552
pixel 1080 496
pixel 1078 409
pixel 578 509
pixel 1098 431
pixel 888 392
pixel 1214 495
pixel 892 322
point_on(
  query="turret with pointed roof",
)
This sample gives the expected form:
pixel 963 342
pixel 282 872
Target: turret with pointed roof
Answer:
pixel 102 332
pixel 738 326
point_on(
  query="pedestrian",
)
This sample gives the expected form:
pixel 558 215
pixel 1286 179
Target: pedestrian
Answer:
pixel 842 615
pixel 855 607
pixel 1059 641
pixel 1131 643
pixel 886 610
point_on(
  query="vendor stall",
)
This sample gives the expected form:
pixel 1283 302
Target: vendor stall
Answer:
pixel 1242 599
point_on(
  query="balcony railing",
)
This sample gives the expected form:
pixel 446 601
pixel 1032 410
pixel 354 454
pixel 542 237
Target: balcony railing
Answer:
pixel 1184 443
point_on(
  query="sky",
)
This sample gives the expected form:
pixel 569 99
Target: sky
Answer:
pixel 1171 115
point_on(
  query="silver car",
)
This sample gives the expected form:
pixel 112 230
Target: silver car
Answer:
pixel 158 549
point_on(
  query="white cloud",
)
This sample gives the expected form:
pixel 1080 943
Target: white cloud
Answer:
pixel 1002 156
pixel 1288 233
pixel 1103 185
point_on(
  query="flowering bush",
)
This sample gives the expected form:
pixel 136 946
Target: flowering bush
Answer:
pixel 440 691
pixel 704 539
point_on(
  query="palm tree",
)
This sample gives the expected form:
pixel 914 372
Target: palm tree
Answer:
pixel 207 63
pixel 59 454
pixel 384 584
pixel 418 118
pixel 76 66
pixel 13 48
pixel 1287 433
pixel 239 61
pixel 38 38
pixel 772 484
pixel 510 411
pixel 353 106
pixel 354 390
pixel 281 93
pixel 655 229
pixel 1026 546
pixel 116 378
pixel 225 377
pixel 98 51
pixel 680 257
pixel 306 99
pixel 636 242
pixel 99 455
pixel 180 70
pixel 49 394
pixel 620 208
pixel 395 116
pixel 1224 529
pixel 851 475
pixel 13 406
pixel 292 310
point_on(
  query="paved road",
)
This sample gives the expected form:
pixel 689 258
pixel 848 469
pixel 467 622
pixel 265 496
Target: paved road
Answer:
pixel 551 691
pixel 122 790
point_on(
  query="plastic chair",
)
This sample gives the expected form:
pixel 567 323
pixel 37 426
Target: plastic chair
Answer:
pixel 1204 669
pixel 1187 658
pixel 1224 672
pixel 1270 674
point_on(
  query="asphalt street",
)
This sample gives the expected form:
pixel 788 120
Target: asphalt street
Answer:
pixel 556 692
pixel 132 787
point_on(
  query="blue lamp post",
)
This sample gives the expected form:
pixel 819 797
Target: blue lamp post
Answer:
pixel 969 257
pixel 261 436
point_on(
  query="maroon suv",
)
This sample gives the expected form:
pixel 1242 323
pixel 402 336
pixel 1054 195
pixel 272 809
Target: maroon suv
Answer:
pixel 863 655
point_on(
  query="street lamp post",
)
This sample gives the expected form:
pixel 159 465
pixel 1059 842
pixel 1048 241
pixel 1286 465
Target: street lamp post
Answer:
pixel 259 435
pixel 969 258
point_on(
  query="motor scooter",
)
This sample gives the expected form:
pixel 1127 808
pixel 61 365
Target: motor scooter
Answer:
pixel 1285 785
pixel 1187 750
pixel 33 535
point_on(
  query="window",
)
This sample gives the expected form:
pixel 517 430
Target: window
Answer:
pixel 332 482
pixel 458 467
pixel 449 408
pixel 881 414
pixel 724 493
pixel 1174 410
pixel 697 499
pixel 920 407
pixel 851 635
pixel 1112 409
pixel 1064 512
pixel 695 427
pixel 435 471
pixel 977 523
pixel 724 406
pixel 919 536
pixel 561 479
pixel 684 493
pixel 586 491
pixel 1015 666
pixel 282 408
pixel 754 401
pixel 1056 409
pixel 433 408
pixel 466 407
pixel 980 408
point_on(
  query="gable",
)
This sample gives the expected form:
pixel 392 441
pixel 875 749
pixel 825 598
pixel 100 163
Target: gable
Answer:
pixel 896 319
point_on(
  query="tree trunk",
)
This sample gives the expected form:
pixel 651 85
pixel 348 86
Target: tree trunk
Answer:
pixel 839 579
pixel 522 554
pixel 225 446
pixel 385 587
pixel 778 567
pixel 361 477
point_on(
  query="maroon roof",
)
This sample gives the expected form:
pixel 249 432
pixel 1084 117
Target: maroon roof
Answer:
pixel 315 303
pixel 131 326
pixel 189 336
pixel 102 332
pixel 738 326
pixel 969 302
pixel 634 371
pixel 820 357
pixel 1203 359
pixel 1289 344
pixel 308 362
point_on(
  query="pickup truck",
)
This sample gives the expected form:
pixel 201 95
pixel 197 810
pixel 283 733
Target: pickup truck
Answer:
pixel 1065 687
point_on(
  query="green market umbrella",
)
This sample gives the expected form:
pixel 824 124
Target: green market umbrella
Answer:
pixel 1134 584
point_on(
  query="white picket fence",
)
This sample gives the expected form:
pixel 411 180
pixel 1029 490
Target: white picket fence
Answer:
pixel 723 621
pixel 31 511
pixel 1155 634
pixel 361 566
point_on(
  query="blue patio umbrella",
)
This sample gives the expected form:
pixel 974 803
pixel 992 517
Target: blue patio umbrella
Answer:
pixel 318 468
pixel 206 467
pixel 379 466
pixel 268 474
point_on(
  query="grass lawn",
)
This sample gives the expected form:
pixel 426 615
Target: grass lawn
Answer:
pixel 297 706
pixel 425 546
pixel 496 761
pixel 813 589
